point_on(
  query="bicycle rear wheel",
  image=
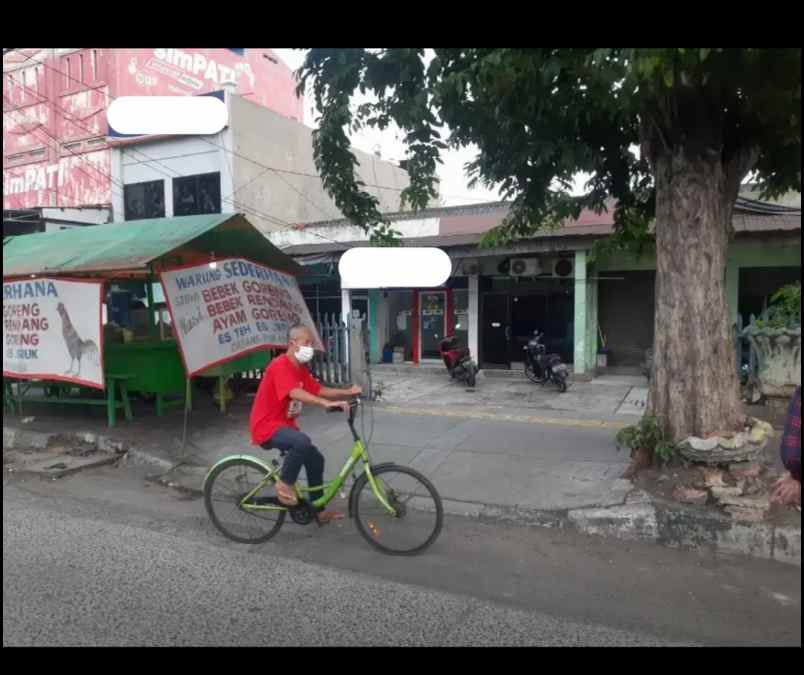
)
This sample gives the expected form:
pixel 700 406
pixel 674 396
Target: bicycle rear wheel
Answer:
pixel 224 491
pixel 418 512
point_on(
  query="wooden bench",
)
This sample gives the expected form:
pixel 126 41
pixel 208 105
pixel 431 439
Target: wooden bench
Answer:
pixel 62 392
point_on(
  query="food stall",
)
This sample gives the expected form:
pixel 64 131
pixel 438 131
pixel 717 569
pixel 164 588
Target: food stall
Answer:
pixel 103 317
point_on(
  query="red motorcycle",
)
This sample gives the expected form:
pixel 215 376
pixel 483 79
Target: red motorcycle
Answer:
pixel 458 361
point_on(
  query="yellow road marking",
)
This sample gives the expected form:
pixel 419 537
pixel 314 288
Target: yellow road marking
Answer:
pixel 527 419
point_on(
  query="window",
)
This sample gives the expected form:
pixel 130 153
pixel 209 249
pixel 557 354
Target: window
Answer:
pixel 94 63
pixel 28 82
pixel 35 155
pixel 144 200
pixel 193 195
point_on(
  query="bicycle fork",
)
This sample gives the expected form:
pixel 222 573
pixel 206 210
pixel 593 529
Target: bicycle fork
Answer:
pixel 379 491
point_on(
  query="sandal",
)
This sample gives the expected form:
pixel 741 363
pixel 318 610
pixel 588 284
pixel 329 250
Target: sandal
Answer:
pixel 286 495
pixel 325 517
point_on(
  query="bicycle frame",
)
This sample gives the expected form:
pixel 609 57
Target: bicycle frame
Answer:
pixel 359 453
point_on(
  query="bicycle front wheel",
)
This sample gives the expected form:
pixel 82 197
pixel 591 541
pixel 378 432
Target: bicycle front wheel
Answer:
pixel 224 493
pixel 417 512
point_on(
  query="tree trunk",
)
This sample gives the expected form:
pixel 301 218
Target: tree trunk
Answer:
pixel 642 458
pixel 695 387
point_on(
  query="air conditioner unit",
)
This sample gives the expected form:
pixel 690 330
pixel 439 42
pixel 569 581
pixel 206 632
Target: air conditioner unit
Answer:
pixel 471 267
pixel 525 267
pixel 564 268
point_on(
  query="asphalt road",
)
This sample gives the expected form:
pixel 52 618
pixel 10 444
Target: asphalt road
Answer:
pixel 104 558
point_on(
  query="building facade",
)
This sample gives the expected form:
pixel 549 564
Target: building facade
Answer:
pixel 55 147
pixel 554 283
pixel 260 164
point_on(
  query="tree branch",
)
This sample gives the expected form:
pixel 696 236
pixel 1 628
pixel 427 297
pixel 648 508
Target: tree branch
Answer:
pixel 737 168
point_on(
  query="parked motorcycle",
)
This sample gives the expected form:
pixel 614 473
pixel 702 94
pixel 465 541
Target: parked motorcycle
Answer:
pixel 458 361
pixel 541 367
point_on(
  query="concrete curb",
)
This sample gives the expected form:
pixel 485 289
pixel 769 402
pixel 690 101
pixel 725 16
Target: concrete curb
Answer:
pixel 667 524
pixel 640 518
pixel 51 474
pixel 25 438
pixel 143 458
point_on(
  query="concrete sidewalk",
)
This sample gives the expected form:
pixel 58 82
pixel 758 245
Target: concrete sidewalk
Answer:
pixel 620 399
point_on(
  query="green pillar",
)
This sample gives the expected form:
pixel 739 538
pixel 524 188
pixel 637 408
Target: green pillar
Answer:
pixel 149 291
pixel 581 308
pixel 732 287
pixel 375 348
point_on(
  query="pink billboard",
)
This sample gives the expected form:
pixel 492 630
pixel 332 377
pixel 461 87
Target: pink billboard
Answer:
pixel 70 181
pixel 55 150
pixel 257 74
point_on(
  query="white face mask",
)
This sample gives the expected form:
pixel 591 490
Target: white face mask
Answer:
pixel 304 354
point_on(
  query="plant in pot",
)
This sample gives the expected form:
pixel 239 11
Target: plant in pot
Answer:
pixel 646 441
pixel 785 308
pixel 776 340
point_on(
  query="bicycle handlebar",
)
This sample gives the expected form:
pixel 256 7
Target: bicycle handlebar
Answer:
pixel 353 404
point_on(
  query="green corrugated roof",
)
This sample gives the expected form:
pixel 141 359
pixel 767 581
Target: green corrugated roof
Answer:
pixel 132 245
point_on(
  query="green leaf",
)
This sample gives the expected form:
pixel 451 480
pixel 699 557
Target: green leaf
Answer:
pixel 704 53
pixel 668 77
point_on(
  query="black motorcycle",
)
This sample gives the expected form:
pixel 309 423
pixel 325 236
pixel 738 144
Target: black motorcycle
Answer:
pixel 541 367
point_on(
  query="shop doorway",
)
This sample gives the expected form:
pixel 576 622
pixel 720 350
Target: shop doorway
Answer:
pixel 509 318
pixel 496 330
pixel 433 324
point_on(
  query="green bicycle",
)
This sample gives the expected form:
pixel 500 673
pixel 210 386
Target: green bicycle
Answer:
pixel 395 508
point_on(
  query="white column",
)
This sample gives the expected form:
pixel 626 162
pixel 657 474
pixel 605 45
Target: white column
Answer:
pixel 579 365
pixel 474 317
pixel 226 160
pixel 118 206
pixel 169 197
pixel 346 305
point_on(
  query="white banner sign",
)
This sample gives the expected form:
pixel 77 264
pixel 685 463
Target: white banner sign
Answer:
pixel 52 330
pixel 238 307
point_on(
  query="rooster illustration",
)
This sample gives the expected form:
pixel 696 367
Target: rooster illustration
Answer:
pixel 77 347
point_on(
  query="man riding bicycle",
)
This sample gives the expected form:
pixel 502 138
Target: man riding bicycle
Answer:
pixel 286 386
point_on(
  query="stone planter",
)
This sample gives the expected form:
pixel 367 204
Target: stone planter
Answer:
pixel 743 446
pixel 778 353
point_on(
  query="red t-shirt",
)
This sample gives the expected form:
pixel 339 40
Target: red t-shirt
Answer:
pixel 272 406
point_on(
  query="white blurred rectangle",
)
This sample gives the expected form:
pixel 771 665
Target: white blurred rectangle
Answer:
pixel 167 115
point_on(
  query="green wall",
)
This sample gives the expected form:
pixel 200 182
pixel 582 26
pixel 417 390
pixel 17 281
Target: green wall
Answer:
pixel 741 254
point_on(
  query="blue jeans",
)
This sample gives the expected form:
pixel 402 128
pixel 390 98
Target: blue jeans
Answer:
pixel 300 453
